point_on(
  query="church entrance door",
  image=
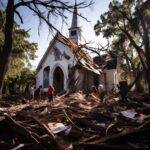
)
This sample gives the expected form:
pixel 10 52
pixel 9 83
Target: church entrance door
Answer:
pixel 58 80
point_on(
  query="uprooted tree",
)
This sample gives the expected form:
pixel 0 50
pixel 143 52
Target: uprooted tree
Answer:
pixel 42 9
pixel 128 24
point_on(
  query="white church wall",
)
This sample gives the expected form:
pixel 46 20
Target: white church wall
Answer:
pixel 47 62
pixel 39 78
pixel 63 48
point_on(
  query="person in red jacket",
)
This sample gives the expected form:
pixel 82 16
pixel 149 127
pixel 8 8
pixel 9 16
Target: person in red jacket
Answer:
pixel 50 94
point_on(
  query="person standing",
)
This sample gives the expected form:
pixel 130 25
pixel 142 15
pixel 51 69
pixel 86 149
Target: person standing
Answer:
pixel 32 90
pixel 123 88
pixel 102 91
pixel 50 94
pixel 41 92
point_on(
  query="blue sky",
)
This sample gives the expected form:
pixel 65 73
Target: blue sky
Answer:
pixel 92 14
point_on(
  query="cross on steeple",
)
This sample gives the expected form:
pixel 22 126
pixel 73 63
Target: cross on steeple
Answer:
pixel 75 31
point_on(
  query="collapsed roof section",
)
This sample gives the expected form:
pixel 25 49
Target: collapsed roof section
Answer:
pixel 106 61
pixel 81 55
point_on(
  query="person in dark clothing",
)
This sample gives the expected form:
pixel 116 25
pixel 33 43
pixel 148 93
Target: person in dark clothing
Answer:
pixel 50 94
pixel 123 90
pixel 36 94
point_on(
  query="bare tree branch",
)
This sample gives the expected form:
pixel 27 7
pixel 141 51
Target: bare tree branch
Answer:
pixel 18 14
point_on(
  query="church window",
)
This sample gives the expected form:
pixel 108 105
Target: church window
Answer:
pixel 66 56
pixel 46 76
pixel 58 54
pixel 73 33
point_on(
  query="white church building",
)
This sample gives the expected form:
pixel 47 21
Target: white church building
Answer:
pixel 65 64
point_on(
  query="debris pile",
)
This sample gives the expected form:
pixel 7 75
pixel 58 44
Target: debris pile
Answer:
pixel 77 122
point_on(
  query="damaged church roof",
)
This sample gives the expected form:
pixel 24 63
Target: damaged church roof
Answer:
pixel 82 57
pixel 106 61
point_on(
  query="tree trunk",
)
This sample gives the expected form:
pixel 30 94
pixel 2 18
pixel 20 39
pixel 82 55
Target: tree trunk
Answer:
pixel 134 82
pixel 7 47
pixel 148 79
pixel 138 87
pixel 149 86
pixel 148 70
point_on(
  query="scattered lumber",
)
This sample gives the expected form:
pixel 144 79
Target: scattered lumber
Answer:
pixel 19 129
pixel 76 122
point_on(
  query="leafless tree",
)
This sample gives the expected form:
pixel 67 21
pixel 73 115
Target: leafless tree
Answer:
pixel 98 50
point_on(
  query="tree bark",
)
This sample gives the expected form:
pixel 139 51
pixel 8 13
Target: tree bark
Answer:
pixel 148 79
pixel 138 87
pixel 7 47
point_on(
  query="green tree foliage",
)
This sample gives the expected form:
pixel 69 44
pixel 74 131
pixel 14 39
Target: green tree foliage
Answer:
pixel 127 23
pixel 22 54
pixel 19 81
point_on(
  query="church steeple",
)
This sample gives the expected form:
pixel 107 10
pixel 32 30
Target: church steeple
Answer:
pixel 75 16
pixel 75 31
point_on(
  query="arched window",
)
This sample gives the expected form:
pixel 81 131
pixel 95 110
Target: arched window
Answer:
pixel 46 76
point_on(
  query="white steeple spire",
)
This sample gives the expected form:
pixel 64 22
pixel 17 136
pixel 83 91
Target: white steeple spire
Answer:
pixel 75 31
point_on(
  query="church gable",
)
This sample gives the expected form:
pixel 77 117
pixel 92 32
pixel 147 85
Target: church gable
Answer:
pixel 62 52
pixel 57 51
pixel 56 60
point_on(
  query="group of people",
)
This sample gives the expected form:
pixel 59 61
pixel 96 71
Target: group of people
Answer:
pixel 100 90
pixel 33 93
pixel 122 87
